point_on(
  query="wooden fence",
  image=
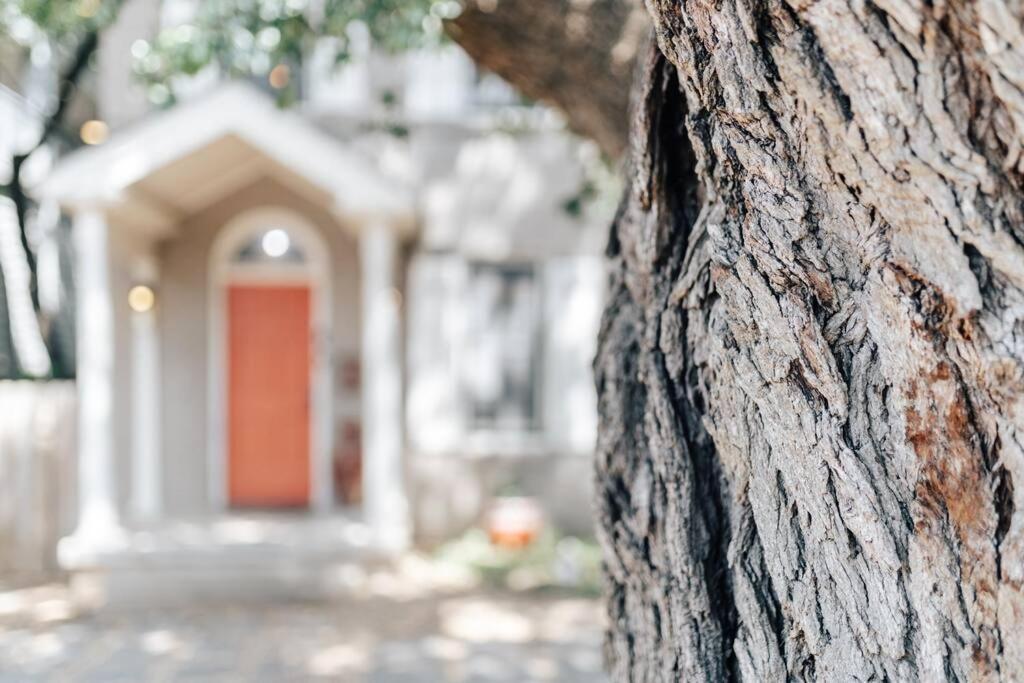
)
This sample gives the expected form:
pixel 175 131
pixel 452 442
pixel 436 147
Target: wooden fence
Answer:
pixel 37 474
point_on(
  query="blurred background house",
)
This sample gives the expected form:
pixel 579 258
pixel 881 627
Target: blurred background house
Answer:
pixel 337 328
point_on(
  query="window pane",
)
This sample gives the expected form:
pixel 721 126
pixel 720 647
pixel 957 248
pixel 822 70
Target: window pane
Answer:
pixel 500 370
pixel 265 248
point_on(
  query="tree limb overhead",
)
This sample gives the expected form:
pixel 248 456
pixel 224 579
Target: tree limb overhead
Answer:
pixel 576 56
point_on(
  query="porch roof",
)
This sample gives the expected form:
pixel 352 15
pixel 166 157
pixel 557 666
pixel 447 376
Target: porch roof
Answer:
pixel 177 162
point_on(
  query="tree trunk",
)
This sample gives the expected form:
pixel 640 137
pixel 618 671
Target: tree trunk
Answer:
pixel 810 371
pixel 576 56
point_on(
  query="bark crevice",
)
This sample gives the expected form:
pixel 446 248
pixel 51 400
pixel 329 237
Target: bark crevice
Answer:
pixel 828 322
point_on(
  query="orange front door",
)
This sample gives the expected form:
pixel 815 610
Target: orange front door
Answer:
pixel 268 399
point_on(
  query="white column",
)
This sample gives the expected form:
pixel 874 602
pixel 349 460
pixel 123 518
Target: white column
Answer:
pixel 98 525
pixel 146 496
pixel 387 509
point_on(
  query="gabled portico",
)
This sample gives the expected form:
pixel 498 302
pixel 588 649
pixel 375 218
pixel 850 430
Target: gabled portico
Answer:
pixel 173 206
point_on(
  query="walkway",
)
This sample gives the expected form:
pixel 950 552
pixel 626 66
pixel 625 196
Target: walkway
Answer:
pixel 477 636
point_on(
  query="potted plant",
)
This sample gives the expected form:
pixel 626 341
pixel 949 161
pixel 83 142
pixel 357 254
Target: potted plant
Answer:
pixel 513 520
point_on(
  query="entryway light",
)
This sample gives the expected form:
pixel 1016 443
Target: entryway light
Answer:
pixel 275 243
pixel 94 132
pixel 141 298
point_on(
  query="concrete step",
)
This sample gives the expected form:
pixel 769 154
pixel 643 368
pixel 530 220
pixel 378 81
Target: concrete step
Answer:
pixel 235 558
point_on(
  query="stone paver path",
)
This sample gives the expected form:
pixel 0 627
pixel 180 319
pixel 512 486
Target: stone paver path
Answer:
pixel 476 636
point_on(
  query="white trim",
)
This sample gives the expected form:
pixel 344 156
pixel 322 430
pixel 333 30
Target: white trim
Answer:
pixel 105 173
pixel 317 272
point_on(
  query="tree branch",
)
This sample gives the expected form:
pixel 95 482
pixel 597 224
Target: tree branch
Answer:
pixel 575 56
pixel 14 189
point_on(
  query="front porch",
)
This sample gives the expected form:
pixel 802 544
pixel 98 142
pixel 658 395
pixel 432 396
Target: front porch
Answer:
pixel 164 218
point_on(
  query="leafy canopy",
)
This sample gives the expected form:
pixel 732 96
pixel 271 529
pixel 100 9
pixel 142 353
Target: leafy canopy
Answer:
pixel 251 37
pixel 239 37
pixel 29 22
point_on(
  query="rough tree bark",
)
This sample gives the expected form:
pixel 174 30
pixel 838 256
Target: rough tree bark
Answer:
pixel 576 56
pixel 810 372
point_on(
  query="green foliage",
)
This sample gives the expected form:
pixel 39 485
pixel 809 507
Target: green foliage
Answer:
pixel 29 22
pixel 239 37
pixel 551 561
pixel 574 205
pixel 252 37
pixel 51 31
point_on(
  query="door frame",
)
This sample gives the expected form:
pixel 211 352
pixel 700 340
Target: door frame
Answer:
pixel 314 272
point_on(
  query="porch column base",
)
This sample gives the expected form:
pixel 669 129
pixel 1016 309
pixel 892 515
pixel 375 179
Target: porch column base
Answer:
pixel 97 535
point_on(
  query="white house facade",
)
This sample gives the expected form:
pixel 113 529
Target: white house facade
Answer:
pixel 302 335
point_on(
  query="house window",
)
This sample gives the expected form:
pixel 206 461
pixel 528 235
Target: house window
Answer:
pixel 501 366
pixel 274 244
